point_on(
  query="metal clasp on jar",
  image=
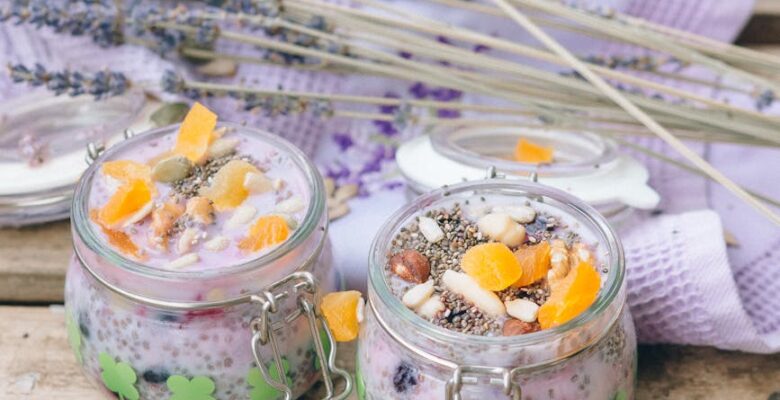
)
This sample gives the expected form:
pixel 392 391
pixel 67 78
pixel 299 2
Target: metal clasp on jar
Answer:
pixel 303 287
pixel 471 374
pixel 94 149
pixel 492 173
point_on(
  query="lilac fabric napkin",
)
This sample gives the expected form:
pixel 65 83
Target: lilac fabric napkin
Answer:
pixel 685 286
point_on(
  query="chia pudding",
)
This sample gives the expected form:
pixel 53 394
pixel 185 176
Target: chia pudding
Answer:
pixel 514 276
pixel 201 223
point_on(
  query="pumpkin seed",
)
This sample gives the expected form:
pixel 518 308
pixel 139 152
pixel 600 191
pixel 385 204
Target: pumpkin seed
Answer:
pixel 172 169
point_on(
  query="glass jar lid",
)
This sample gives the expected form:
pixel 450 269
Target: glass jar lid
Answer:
pixel 585 164
pixel 43 140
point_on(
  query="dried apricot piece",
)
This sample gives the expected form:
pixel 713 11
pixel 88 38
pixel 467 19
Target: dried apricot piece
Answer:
pixel 227 189
pixel 492 265
pixel 117 239
pixel 340 310
pixel 267 231
pixel 571 296
pixel 195 133
pixel 532 153
pixel 126 170
pixel 125 202
pixel 534 261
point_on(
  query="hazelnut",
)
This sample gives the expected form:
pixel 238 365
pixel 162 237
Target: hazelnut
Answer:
pixel 514 327
pixel 411 266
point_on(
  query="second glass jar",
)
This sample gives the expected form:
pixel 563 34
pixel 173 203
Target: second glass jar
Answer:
pixel 403 356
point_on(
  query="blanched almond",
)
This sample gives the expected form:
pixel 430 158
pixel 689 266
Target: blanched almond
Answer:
pixel 361 310
pixel 188 238
pixel 338 211
pixel 345 192
pixel 217 243
pixel 522 309
pixel 417 295
pixel 183 261
pixel 430 229
pixel 431 307
pixel 521 214
pixel 330 187
pixel 514 237
pixel 501 227
pixel 467 287
pixel 290 206
pixel 241 216
pixel 222 147
pixel 257 183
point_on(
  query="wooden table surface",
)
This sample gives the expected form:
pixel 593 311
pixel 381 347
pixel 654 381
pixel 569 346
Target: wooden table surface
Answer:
pixel 36 362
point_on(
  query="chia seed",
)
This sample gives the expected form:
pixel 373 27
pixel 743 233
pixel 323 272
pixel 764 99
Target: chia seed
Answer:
pixel 537 292
pixel 201 175
pixel 462 316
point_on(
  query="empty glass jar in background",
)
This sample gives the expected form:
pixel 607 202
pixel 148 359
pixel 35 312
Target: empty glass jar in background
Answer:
pixel 42 147
pixel 403 356
pixel 585 165
pixel 238 331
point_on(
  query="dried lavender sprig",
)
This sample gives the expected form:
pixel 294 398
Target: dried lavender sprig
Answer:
pixel 150 23
pixel 93 21
pixel 101 84
pixel 270 104
pixel 270 8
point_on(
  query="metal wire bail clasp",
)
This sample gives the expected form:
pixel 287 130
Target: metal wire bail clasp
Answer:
pixel 303 286
pixel 94 149
pixel 471 374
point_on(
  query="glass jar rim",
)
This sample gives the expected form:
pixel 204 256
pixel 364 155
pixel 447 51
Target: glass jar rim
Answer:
pixel 608 293
pixel 88 234
pixel 448 143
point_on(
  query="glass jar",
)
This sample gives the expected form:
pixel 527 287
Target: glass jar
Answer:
pixel 242 331
pixel 586 165
pixel 403 356
pixel 42 148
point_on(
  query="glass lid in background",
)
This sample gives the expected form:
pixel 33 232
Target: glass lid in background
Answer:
pixel 483 147
pixel 43 140
pixel 583 163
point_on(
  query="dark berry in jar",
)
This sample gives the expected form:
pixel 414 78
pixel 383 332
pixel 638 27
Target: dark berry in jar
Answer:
pixel 406 377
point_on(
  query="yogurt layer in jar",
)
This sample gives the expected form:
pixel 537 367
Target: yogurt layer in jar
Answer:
pixel 200 251
pixel 496 289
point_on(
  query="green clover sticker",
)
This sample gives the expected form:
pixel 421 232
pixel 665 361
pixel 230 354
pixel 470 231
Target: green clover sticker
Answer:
pixel 199 388
pixel 74 335
pixel 621 395
pixel 325 346
pixel 118 377
pixel 359 384
pixel 262 390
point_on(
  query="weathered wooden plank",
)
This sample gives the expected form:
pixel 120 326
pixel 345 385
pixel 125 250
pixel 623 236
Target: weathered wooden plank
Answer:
pixel 764 26
pixel 767 7
pixel 37 364
pixel 33 261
